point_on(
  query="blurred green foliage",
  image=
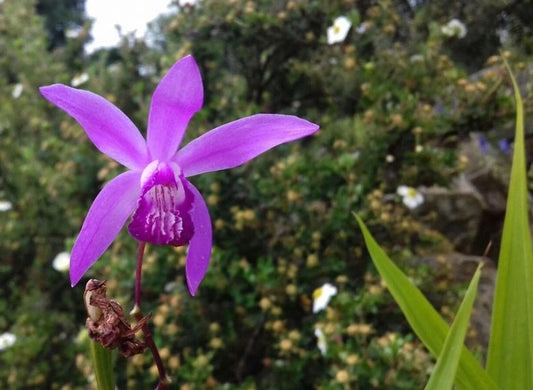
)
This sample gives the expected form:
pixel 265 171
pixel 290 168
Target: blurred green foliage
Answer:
pixel 60 16
pixel 393 100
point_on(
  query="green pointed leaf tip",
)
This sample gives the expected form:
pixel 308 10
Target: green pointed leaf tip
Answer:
pixel 445 370
pixel 425 321
pixel 510 353
pixel 103 366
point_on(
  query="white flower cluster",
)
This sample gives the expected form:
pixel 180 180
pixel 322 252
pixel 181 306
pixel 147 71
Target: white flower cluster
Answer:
pixel 454 28
pixel 7 340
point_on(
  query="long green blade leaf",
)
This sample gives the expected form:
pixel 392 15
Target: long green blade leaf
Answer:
pixel 103 368
pixel 510 356
pixel 423 318
pixel 443 375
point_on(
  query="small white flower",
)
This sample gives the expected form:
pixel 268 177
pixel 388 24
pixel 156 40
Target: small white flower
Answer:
pixel 389 158
pixel 147 70
pixel 17 90
pixel 447 31
pixel 322 296
pixel 321 341
pixel 5 205
pixel 72 33
pixel 170 286
pixel 503 35
pixel 361 29
pixel 7 340
pixel 454 28
pixel 114 68
pixel 339 30
pixel 410 196
pixel 79 79
pixel 61 262
pixel 416 58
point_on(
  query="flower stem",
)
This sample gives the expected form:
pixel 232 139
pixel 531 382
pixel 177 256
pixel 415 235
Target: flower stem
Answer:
pixel 138 274
pixel 103 366
pixel 164 380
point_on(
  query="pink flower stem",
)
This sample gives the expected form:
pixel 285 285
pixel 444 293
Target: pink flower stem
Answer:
pixel 164 380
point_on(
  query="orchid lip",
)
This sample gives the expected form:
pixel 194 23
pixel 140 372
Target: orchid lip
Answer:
pixel 162 214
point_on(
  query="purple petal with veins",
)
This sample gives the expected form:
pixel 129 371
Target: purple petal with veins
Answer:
pixel 237 142
pixel 201 243
pixel 177 97
pixel 106 217
pixel 110 130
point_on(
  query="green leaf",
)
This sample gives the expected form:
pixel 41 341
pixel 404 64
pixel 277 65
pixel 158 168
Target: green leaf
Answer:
pixel 103 368
pixel 443 375
pixel 423 318
pixel 510 352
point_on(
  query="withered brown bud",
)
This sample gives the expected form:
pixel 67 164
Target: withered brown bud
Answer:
pixel 97 287
pixel 106 322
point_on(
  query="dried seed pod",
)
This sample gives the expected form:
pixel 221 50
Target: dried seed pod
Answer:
pixel 106 322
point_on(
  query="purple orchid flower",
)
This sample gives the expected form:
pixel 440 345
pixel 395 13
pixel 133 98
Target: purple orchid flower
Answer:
pixel 166 208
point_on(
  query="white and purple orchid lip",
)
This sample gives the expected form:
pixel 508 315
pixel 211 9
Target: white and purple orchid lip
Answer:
pixel 162 215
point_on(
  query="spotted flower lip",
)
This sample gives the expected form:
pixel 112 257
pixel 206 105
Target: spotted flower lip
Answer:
pixel 166 208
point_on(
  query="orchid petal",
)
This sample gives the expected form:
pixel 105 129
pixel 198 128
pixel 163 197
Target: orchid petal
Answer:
pixel 111 131
pixel 177 97
pixel 237 142
pixel 201 243
pixel 108 213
